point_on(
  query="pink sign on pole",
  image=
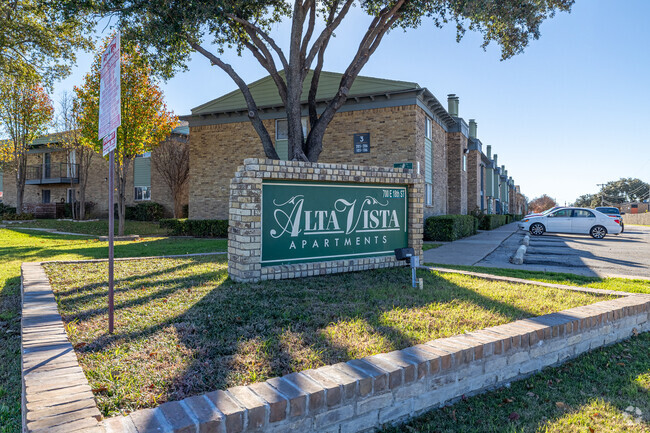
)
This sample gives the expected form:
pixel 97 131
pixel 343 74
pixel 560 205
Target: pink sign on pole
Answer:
pixel 109 90
pixel 109 143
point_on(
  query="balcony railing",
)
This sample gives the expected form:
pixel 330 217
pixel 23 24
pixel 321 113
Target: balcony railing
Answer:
pixel 62 172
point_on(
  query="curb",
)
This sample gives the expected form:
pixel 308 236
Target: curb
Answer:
pixel 518 258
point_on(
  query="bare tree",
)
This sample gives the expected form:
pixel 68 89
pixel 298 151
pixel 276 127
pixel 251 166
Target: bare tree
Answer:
pixel 541 203
pixel 172 161
pixel 80 152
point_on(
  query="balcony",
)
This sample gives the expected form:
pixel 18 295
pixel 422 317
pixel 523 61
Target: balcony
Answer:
pixel 52 173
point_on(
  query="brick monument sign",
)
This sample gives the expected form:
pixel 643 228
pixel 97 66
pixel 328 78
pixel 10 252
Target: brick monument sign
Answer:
pixel 296 219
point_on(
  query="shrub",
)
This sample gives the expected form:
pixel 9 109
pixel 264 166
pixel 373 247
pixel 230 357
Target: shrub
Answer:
pixel 150 211
pixel 490 222
pixel 199 228
pixel 6 209
pixel 449 227
pixel 8 216
pixel 89 205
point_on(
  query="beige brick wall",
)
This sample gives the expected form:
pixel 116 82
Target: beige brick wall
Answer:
pixel 396 135
pixel 473 180
pixel 457 177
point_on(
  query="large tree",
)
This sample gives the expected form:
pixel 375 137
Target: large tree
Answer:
pixel 40 40
pixel 171 31
pixel 616 192
pixel 172 162
pixel 145 119
pixel 25 113
pixel 541 203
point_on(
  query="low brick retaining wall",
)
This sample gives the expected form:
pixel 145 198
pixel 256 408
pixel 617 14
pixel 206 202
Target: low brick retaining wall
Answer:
pixel 358 395
pixel 637 218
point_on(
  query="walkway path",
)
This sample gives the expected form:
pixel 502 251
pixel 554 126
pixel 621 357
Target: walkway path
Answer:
pixel 470 250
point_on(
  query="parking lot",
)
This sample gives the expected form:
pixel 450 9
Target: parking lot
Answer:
pixel 626 255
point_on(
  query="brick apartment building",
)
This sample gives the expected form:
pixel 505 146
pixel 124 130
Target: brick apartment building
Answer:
pixel 405 123
pixel 53 175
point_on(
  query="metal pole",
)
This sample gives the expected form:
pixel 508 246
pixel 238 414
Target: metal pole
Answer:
pixel 111 230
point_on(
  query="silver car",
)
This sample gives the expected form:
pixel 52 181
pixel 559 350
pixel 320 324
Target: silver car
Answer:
pixel 576 220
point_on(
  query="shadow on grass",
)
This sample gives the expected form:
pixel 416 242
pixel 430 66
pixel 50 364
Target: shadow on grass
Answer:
pixel 590 393
pixel 240 333
pixel 56 245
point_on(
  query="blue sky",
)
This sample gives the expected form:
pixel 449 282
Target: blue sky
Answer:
pixel 570 112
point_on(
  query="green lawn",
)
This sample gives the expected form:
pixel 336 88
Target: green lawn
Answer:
pixel 430 246
pixel 96 228
pixel 183 328
pixel 598 392
pixel 618 284
pixel 17 247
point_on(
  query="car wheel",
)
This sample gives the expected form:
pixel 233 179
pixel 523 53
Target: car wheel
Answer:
pixel 622 228
pixel 598 232
pixel 537 229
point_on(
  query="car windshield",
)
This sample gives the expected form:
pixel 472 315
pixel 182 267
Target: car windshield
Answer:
pixel 608 210
pixel 548 211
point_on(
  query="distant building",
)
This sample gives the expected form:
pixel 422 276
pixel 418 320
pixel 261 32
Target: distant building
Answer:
pixel 52 178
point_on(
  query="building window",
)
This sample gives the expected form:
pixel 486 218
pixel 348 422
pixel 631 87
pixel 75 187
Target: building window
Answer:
pixel 70 197
pixel 47 166
pixel 46 195
pixel 282 136
pixel 142 193
pixel 464 162
pixel 427 128
pixel 428 194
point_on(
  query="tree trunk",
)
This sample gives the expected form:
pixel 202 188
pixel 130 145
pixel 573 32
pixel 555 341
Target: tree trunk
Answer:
pixel 121 194
pixel 19 198
pixel 20 184
pixel 178 206
pixel 82 203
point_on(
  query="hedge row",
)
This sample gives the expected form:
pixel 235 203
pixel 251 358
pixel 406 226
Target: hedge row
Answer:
pixel 9 216
pixel 491 222
pixel 150 211
pixel 449 227
pixel 199 228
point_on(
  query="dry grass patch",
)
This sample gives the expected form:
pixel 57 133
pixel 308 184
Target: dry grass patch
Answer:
pixel 183 328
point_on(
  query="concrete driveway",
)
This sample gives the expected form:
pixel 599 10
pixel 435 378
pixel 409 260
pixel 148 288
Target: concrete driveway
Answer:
pixel 626 255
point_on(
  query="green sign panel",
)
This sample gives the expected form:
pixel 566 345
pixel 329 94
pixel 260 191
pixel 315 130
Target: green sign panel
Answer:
pixel 408 165
pixel 310 221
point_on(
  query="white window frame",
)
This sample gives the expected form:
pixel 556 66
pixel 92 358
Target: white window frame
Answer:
pixel 144 193
pixel 464 162
pixel 428 194
pixel 428 125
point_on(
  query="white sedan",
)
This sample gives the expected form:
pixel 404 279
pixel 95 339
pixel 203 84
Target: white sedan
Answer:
pixel 572 220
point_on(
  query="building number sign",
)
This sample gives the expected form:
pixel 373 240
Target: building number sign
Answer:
pixel 362 143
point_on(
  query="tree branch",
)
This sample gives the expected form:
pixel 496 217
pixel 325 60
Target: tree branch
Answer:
pixel 253 114
pixel 327 32
pixel 264 36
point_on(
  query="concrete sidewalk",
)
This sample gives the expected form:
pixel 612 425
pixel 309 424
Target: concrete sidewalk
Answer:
pixel 471 250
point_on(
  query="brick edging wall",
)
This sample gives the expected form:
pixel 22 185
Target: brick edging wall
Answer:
pixel 351 396
pixel 56 396
pixel 245 216
pixel 387 388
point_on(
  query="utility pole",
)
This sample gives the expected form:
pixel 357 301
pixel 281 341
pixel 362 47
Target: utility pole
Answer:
pixel 601 185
